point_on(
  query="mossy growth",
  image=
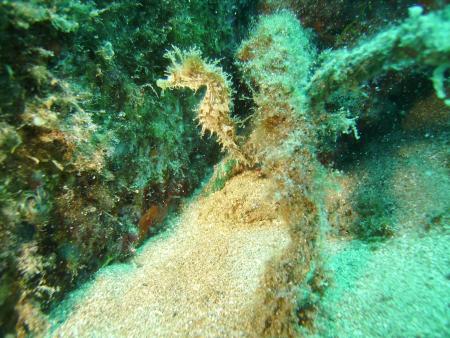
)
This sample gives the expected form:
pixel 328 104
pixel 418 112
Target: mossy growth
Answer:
pixel 374 210
pixel 87 144
pixel 309 296
pixel 223 172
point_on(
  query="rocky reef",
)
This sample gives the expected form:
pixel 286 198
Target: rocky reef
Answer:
pixel 92 156
pixel 329 127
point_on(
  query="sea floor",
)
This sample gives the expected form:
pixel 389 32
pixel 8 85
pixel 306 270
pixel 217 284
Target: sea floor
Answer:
pixel 203 277
pixel 400 286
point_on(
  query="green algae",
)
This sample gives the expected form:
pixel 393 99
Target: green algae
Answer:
pixel 88 144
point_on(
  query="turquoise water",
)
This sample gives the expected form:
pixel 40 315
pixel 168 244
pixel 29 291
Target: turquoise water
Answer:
pixel 114 114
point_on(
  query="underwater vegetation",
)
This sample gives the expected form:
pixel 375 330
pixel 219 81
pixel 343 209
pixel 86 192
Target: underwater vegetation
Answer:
pixel 94 155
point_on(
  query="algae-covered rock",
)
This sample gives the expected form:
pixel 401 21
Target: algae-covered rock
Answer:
pixel 87 144
pixel 335 165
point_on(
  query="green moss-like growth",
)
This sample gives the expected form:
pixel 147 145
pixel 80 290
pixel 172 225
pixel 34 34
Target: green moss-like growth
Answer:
pixel 92 155
pixel 222 174
pixel 418 41
pixel 375 221
pixel 87 144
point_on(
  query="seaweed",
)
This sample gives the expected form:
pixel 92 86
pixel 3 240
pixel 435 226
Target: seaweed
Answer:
pixel 93 157
pixel 87 145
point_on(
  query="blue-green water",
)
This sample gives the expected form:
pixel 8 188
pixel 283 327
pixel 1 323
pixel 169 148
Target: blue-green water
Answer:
pixel 113 113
